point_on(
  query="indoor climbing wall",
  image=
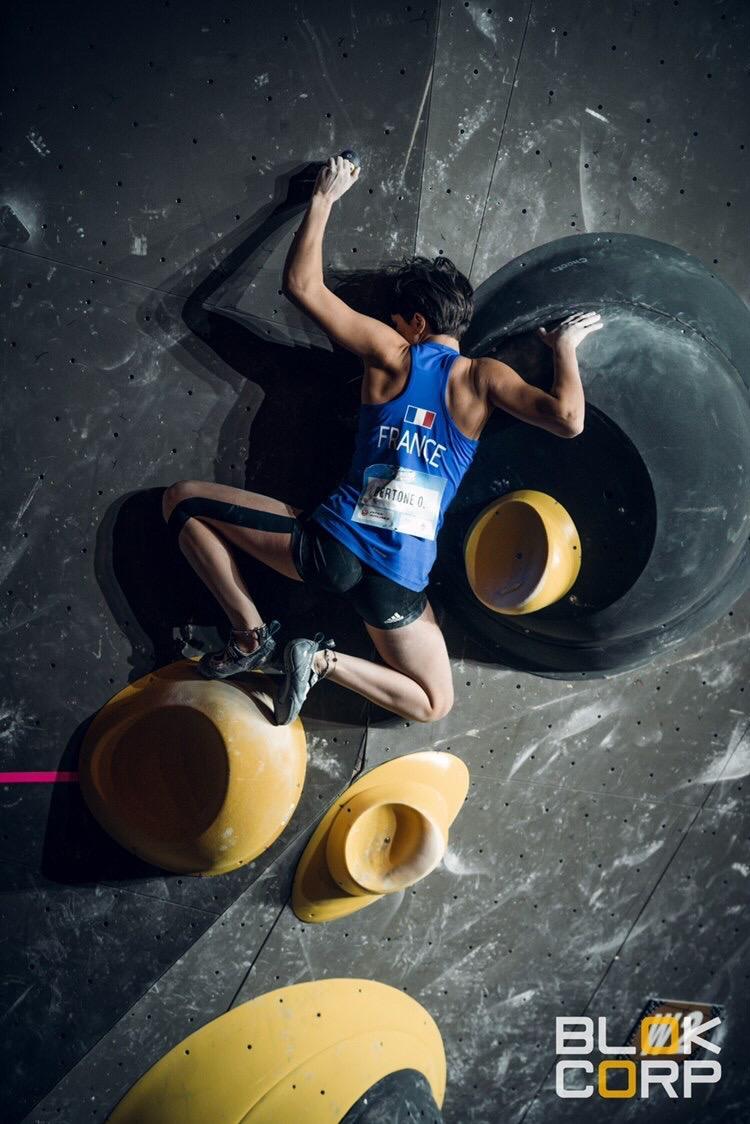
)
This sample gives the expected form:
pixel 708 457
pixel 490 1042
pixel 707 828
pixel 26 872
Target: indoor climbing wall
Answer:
pixel 600 860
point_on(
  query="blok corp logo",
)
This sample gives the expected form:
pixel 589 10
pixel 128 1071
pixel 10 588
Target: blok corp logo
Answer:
pixel 665 1051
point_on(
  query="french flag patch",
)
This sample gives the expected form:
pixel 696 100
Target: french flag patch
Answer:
pixel 416 416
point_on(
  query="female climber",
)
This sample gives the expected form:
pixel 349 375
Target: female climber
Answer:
pixel 372 540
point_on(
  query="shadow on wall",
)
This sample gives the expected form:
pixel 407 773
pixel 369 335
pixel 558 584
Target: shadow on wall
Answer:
pixel 302 415
pixel 300 446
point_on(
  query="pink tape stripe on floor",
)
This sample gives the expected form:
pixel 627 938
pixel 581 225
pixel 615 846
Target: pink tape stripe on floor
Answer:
pixel 36 778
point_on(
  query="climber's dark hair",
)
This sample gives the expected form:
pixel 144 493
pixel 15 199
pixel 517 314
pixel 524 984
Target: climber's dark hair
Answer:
pixel 436 289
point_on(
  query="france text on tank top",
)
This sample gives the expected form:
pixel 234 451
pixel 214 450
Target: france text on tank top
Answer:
pixel 408 461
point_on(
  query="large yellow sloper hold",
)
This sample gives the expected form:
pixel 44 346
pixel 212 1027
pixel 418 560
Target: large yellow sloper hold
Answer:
pixel 305 1053
pixel 191 774
pixel 522 553
pixel 386 832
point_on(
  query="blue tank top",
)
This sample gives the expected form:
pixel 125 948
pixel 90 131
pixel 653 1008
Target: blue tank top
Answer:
pixel 409 459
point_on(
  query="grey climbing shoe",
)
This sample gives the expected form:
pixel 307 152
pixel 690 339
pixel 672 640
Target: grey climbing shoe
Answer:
pixel 231 660
pixel 299 676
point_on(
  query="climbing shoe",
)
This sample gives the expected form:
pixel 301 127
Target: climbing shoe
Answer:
pixel 231 660
pixel 300 675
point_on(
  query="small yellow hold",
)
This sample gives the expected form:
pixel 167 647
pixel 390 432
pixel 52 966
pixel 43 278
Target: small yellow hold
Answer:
pixel 388 831
pixel 522 553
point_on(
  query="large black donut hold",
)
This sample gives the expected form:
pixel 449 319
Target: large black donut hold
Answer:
pixel 658 483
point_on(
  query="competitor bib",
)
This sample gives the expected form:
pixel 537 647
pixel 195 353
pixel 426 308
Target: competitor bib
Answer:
pixel 400 499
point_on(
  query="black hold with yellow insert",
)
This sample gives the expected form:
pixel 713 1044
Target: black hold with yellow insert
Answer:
pixel 657 485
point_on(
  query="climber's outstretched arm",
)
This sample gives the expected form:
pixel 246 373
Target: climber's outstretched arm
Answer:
pixel 378 344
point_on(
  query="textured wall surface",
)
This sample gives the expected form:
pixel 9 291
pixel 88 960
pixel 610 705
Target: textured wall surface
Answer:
pixel 601 858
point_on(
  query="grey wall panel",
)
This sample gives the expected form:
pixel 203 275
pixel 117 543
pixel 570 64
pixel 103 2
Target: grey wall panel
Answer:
pixel 158 145
pixel 476 55
pixel 662 732
pixel 657 961
pixel 620 118
pixel 727 773
pixel 200 985
pixel 98 167
pixel 110 396
pixel 103 426
pixel 382 54
pixel 537 892
pixel 63 957
pixel 165 373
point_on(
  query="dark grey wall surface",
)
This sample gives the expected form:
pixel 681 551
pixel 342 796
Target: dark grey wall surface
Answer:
pixel 602 856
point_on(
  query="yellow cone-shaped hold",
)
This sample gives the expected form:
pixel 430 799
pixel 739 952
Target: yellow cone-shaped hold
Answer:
pixel 191 774
pixel 387 831
pixel 305 1053
pixel 522 553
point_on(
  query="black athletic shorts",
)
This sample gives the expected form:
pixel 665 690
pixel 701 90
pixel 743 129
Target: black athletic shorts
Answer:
pixel 325 563
pixel 321 561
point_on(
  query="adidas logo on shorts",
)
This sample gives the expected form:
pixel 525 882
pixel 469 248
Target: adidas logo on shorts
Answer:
pixel 394 617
